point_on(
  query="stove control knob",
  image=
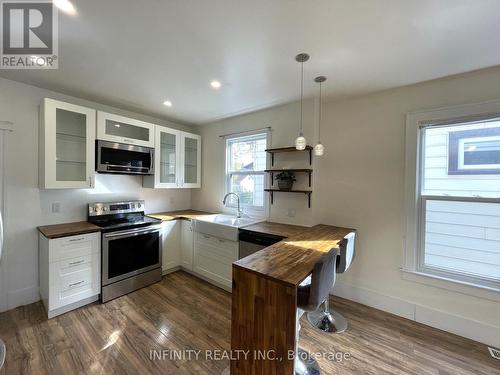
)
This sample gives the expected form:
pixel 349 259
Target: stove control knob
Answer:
pixel 139 205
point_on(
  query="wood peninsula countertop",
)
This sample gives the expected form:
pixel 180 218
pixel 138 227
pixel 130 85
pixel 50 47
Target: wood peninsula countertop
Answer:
pixel 179 215
pixel 291 260
pixel 68 229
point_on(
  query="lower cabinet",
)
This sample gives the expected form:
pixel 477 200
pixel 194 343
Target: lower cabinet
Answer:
pixel 213 258
pixel 177 245
pixel 187 245
pixel 204 255
pixel 70 272
pixel 171 242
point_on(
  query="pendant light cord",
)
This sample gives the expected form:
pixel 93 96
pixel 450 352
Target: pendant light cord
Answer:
pixel 319 125
pixel 301 94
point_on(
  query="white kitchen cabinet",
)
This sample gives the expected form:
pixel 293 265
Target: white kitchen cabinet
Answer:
pixel 213 258
pixel 167 159
pixel 190 160
pixel 70 272
pixel 187 244
pixel 171 245
pixel 177 160
pixel 67 145
pixel 115 128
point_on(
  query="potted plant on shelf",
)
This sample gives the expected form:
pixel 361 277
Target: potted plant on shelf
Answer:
pixel 285 180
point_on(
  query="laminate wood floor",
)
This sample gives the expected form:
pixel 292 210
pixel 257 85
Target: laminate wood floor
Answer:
pixel 183 312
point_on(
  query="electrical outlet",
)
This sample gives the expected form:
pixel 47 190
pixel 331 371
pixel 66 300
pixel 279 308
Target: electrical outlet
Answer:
pixel 56 207
pixel 292 212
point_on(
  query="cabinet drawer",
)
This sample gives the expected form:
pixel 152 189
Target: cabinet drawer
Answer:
pixel 225 245
pixel 71 283
pixel 74 246
pixel 59 270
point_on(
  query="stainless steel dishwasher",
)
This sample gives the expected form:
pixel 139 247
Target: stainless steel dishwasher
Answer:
pixel 251 242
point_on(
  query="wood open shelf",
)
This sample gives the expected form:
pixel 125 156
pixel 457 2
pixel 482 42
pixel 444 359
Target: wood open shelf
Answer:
pixel 306 170
pixel 273 151
pixel 307 192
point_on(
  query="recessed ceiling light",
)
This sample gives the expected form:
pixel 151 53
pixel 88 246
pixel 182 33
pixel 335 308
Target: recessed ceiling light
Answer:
pixel 216 84
pixel 167 103
pixel 65 6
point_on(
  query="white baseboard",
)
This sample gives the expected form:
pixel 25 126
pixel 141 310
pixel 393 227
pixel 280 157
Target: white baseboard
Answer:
pixel 442 320
pixel 20 297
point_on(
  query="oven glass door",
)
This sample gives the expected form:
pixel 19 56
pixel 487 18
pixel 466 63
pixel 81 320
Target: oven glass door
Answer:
pixel 130 252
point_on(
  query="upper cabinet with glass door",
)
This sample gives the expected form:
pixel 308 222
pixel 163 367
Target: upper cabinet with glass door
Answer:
pixel 191 160
pixel 177 160
pixel 115 128
pixel 167 149
pixel 67 141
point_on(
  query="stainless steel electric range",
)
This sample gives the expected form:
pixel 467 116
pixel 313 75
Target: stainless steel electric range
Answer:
pixel 131 247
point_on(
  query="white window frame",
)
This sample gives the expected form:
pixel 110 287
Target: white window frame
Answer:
pixel 413 268
pixel 461 153
pixel 248 210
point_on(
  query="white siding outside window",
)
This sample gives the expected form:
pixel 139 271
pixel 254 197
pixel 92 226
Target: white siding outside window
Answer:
pixel 459 209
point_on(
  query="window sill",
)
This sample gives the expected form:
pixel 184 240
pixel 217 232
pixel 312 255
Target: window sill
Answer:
pixel 475 290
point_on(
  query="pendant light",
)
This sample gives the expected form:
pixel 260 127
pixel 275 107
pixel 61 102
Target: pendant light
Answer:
pixel 300 142
pixel 319 149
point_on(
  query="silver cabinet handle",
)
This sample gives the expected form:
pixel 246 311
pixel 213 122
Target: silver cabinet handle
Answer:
pixel 207 237
pixel 77 262
pixel 75 284
pixel 76 239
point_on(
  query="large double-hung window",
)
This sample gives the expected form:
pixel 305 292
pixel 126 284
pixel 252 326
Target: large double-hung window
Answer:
pixel 245 166
pixel 454 207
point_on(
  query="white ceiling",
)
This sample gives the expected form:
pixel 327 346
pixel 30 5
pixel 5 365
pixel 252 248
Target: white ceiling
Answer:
pixel 135 54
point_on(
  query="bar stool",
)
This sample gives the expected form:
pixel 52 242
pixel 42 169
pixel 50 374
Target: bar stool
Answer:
pixel 330 320
pixel 310 294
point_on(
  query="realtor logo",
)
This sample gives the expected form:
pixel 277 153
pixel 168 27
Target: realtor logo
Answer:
pixel 29 35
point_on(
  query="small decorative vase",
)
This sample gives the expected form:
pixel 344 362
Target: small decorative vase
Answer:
pixel 285 184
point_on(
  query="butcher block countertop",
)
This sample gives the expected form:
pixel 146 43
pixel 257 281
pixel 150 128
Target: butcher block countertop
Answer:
pixel 179 215
pixel 68 229
pixel 291 260
pixel 276 229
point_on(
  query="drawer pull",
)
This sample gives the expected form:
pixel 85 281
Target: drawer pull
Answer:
pixel 77 239
pixel 221 240
pixel 207 237
pixel 75 284
pixel 77 262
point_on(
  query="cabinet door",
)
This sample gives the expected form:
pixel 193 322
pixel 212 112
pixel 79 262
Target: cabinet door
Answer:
pixel 167 150
pixel 187 245
pixel 67 142
pixel 191 161
pixel 171 238
pixel 115 128
pixel 213 258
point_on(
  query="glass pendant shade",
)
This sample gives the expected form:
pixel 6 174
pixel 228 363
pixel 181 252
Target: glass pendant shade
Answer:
pixel 300 142
pixel 319 149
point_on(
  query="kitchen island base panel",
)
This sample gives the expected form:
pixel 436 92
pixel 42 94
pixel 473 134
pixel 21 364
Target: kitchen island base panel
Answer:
pixel 263 324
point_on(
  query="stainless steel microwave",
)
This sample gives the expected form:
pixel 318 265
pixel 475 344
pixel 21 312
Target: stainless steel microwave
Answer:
pixel 120 158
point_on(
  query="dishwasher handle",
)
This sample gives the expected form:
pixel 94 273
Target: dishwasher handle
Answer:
pixel 256 238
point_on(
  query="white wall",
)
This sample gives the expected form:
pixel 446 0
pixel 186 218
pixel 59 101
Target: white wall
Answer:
pixel 359 182
pixel 284 121
pixel 28 207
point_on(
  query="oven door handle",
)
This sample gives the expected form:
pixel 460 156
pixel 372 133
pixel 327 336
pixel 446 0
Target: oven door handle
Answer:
pixel 133 232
